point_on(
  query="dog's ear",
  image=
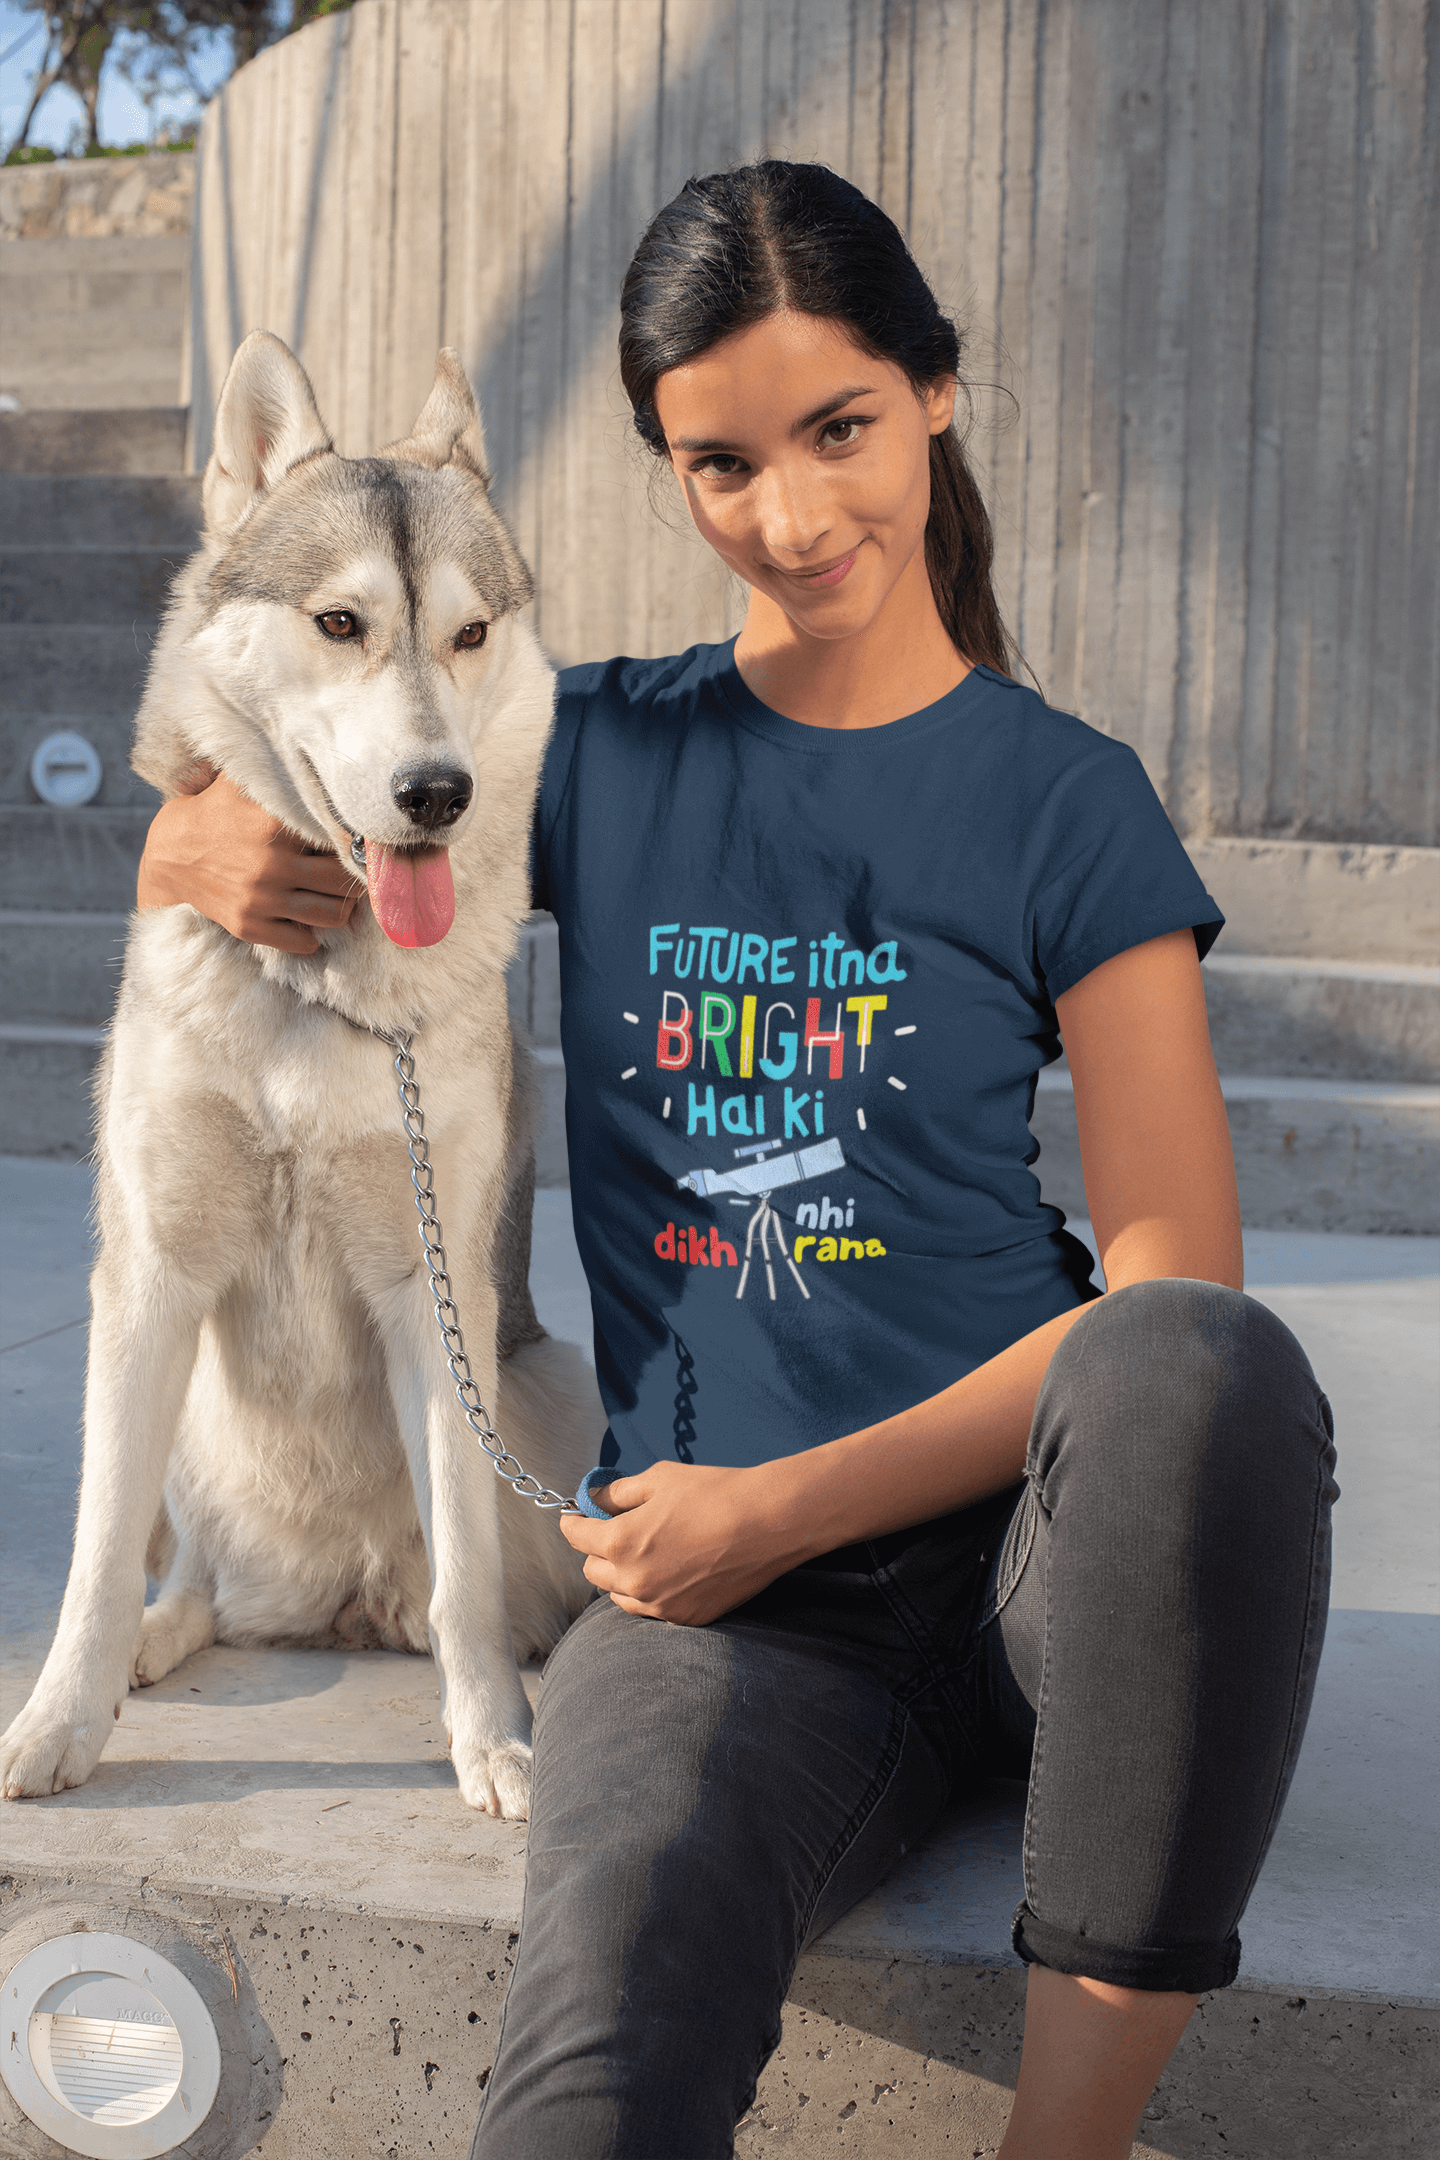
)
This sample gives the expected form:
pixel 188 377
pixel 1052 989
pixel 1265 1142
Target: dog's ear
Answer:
pixel 448 430
pixel 265 424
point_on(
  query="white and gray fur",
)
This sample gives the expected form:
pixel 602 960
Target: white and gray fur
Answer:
pixel 263 1348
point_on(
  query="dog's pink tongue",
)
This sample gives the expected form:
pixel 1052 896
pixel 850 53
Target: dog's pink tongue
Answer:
pixel 412 894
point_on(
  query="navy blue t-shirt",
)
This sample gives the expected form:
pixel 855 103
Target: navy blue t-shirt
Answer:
pixel 808 978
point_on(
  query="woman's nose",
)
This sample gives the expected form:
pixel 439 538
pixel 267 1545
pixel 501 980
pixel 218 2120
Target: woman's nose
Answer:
pixel 793 516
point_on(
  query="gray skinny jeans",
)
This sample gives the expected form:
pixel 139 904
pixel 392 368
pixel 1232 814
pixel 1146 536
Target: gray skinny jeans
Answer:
pixel 1137 1627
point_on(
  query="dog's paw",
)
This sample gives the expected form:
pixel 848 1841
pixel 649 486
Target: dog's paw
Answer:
pixel 496 1779
pixel 42 1754
pixel 171 1631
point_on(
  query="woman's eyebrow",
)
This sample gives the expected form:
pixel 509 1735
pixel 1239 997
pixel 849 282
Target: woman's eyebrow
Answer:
pixel 832 405
pixel 697 445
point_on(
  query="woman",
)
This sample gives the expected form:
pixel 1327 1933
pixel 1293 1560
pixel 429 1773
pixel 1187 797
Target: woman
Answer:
pixel 920 1505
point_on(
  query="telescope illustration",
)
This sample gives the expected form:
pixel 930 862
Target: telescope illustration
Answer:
pixel 766 1174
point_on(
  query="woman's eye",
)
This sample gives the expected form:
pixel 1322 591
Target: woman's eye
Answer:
pixel 722 464
pixel 473 634
pixel 338 623
pixel 842 433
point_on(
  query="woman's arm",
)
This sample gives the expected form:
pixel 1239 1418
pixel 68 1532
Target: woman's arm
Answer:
pixel 690 1542
pixel 224 855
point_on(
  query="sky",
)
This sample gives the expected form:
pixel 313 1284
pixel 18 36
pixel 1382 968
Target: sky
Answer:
pixel 123 117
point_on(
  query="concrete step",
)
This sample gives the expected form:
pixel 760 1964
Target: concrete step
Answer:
pixel 1325 899
pixel 100 510
pixel 58 966
pixel 94 585
pixel 1319 1019
pixel 47 1074
pixel 552 1162
pixel 1309 1154
pixel 111 733
pixel 63 964
pixel 533 985
pixel 60 970
pixel 150 439
pixel 47 1071
pixel 93 323
pixel 534 982
pixel 82 859
pixel 69 669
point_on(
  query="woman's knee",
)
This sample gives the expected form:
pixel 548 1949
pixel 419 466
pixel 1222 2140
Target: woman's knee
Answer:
pixel 1171 1388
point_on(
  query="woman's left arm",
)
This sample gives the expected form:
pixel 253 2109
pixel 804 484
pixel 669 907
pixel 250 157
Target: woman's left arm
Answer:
pixel 689 1542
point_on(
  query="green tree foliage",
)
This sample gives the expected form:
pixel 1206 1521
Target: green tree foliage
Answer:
pixel 152 41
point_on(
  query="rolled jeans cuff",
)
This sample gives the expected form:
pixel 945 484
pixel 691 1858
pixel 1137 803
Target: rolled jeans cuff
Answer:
pixel 1186 1969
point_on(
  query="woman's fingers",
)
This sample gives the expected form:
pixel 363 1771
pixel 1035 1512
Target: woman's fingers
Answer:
pixel 606 1568
pixel 219 852
pixel 606 1578
pixel 586 1534
pixel 323 906
pixel 280 936
pixel 625 1493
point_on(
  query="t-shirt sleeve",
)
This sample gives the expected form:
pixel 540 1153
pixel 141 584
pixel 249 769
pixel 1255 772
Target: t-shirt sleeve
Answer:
pixel 1116 872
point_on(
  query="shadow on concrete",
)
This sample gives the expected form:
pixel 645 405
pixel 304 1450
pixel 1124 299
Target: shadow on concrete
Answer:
pixel 167 1782
pixel 234 1676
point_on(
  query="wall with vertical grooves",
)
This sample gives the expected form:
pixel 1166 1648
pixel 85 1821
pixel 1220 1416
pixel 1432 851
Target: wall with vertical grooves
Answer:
pixel 1196 240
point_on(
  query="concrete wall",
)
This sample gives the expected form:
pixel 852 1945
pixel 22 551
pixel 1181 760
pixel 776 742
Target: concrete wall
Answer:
pixel 1195 237
pixel 133 198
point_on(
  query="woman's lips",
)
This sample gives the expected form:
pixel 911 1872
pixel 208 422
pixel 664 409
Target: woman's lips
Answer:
pixel 830 575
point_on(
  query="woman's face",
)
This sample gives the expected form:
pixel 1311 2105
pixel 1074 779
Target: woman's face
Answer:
pixel 806 465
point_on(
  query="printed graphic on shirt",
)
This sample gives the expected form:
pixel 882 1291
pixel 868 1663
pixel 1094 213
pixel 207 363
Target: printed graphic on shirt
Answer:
pixel 773 1069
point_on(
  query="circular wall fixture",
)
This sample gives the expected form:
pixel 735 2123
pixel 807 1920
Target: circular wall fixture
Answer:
pixel 66 770
pixel 107 2048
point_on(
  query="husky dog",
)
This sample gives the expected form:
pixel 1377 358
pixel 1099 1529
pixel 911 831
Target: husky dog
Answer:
pixel 346 646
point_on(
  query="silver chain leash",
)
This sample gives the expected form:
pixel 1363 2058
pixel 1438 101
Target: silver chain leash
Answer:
pixel 447 1318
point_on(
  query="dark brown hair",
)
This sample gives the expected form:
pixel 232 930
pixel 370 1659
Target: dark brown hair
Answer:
pixel 731 250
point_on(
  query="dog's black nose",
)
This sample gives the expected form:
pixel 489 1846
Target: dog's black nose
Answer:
pixel 433 794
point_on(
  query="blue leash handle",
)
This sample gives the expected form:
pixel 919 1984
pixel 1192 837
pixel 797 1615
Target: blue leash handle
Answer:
pixel 583 1501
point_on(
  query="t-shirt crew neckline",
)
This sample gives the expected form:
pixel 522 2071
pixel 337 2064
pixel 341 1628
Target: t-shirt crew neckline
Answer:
pixel 761 719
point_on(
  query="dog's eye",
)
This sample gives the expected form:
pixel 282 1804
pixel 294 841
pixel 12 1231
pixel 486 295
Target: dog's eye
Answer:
pixel 338 623
pixel 473 634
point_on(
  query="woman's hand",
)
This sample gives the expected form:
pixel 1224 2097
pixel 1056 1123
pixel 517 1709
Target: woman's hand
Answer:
pixel 215 849
pixel 686 1542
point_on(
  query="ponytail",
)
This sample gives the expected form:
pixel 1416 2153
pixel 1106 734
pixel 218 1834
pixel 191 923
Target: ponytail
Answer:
pixel 959 552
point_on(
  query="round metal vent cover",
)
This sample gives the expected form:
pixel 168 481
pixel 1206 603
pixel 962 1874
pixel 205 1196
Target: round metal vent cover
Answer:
pixel 107 2047
pixel 66 770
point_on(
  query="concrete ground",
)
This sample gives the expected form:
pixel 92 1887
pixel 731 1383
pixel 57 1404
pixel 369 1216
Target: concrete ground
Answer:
pixel 257 1802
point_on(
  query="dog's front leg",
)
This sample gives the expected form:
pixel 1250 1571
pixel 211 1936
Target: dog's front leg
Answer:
pixel 144 1331
pixel 485 1708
